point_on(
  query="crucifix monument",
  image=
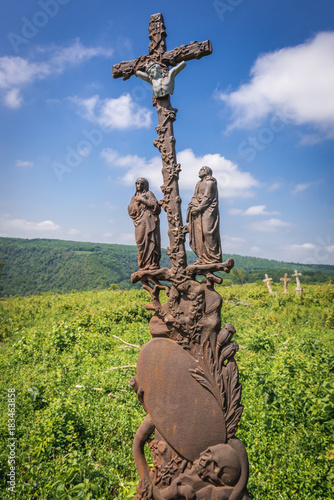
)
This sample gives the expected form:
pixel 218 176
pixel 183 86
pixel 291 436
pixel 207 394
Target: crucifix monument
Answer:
pixel 187 378
pixel 285 279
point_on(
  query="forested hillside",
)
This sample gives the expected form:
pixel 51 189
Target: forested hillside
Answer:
pixel 42 265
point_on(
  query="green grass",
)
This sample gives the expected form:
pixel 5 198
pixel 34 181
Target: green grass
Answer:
pixel 77 442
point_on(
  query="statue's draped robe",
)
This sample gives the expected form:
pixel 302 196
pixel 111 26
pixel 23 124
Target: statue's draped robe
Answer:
pixel 147 230
pixel 204 227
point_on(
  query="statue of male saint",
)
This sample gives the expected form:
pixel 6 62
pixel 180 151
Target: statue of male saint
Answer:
pixel 144 210
pixel 203 219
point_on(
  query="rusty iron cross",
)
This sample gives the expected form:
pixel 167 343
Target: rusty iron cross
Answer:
pixel 166 115
pixel 158 51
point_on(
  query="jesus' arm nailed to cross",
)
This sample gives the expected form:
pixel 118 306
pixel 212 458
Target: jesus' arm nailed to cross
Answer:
pixel 162 84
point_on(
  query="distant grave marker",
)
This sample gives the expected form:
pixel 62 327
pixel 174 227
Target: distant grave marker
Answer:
pixel 299 290
pixel 268 280
pixel 285 279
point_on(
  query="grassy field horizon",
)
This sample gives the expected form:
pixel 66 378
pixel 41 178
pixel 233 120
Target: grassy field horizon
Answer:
pixel 33 266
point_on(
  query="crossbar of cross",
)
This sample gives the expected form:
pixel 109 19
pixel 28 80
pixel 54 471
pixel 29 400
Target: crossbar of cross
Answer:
pixel 158 51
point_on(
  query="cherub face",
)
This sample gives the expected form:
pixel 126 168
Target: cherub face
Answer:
pixel 209 468
pixel 221 465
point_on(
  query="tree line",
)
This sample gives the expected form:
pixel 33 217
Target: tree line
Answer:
pixel 34 266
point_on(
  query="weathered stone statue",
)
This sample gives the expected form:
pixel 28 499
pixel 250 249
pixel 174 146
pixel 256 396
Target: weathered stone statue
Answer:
pixel 203 218
pixel 162 82
pixel 187 378
pixel 144 210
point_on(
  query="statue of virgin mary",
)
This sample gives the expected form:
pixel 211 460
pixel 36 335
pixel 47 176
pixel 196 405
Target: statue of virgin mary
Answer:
pixel 144 210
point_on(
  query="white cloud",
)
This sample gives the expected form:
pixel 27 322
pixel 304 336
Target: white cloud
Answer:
pixel 270 225
pixel 21 163
pixel 236 211
pixel 76 54
pixel 232 244
pixel 319 252
pixel 17 72
pixel 255 210
pixel 307 253
pixel 23 227
pixel 295 83
pixel 275 186
pixel 311 139
pixel 13 99
pixel 121 113
pixel 73 231
pixel 301 187
pixel 127 238
pixel 231 181
pixel 259 210
pixel 303 246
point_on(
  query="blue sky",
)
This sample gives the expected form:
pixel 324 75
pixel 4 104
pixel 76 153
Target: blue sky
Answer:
pixel 259 111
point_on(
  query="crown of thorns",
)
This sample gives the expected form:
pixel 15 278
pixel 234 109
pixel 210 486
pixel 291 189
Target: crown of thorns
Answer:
pixel 151 64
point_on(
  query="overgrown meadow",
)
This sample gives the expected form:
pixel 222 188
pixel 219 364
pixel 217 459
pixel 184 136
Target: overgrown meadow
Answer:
pixel 76 414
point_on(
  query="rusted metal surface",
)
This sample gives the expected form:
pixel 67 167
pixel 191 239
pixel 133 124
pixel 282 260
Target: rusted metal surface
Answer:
pixel 179 407
pixel 144 210
pixel 203 218
pixel 187 377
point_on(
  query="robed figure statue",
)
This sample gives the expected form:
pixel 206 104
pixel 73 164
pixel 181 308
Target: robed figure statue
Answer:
pixel 144 210
pixel 203 219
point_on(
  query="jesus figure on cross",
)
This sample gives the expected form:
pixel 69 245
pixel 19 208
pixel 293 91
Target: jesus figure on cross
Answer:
pixel 162 82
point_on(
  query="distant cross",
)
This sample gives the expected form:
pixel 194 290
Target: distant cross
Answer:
pixel 285 279
pixel 154 68
pixel 268 280
pixel 296 275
